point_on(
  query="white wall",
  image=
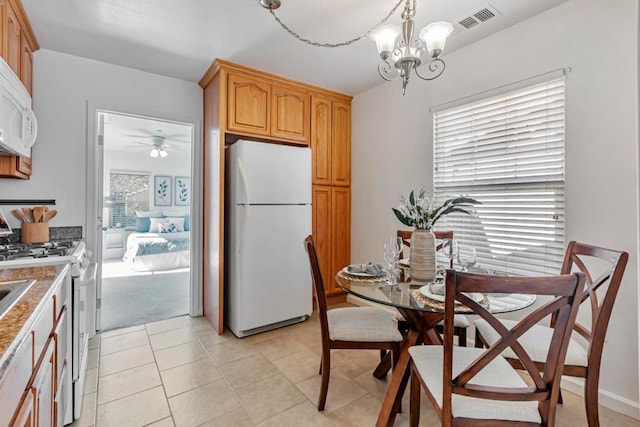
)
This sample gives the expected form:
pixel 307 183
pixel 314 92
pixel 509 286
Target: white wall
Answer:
pixel 392 145
pixel 63 84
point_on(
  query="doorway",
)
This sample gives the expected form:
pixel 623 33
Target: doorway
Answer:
pixel 145 194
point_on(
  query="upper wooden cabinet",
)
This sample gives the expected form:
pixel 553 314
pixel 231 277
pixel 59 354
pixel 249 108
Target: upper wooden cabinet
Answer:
pixel 289 113
pixel 331 140
pixel 17 46
pixel 249 105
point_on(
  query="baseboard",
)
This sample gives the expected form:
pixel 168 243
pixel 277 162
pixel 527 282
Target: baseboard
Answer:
pixel 605 398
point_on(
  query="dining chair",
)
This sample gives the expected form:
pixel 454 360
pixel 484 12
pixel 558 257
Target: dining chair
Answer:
pixel 476 386
pixel 585 352
pixel 461 324
pixel 347 328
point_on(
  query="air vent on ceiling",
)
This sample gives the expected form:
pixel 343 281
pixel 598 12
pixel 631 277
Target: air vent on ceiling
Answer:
pixel 483 15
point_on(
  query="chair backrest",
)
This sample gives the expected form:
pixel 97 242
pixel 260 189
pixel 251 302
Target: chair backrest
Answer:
pixel 576 258
pixel 318 286
pixel 565 290
pixel 405 235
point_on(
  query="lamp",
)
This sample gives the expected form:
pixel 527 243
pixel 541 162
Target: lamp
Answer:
pixel 398 57
pixel 158 151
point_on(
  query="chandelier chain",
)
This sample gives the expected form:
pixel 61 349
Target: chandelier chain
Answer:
pixel 330 45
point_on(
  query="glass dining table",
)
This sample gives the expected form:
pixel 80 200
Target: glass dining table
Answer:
pixel 422 310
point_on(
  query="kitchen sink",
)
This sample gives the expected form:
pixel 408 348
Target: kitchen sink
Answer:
pixel 10 293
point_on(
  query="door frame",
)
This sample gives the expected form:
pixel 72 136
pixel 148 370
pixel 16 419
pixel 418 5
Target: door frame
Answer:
pixel 94 164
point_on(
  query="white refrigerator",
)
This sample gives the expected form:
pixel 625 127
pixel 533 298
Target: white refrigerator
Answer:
pixel 269 216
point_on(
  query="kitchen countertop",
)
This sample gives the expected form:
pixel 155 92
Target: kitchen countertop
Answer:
pixel 17 322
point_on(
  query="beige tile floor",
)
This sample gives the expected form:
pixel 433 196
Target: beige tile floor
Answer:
pixel 178 372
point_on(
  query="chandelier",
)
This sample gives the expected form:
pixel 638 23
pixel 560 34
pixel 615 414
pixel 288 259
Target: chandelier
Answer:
pixel 159 147
pixel 398 56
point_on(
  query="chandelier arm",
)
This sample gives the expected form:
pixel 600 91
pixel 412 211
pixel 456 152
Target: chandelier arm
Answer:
pixel 436 67
pixel 331 45
pixel 384 69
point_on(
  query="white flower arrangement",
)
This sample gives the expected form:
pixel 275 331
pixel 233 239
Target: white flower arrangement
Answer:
pixel 422 212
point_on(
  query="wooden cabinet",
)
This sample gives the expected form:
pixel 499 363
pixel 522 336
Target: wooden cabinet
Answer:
pixel 249 104
pixel 260 107
pixel 331 228
pixel 290 114
pixel 331 141
pixel 18 43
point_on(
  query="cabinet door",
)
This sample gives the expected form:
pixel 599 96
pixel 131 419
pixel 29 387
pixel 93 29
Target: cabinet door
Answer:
pixel 290 114
pixel 25 414
pixel 14 33
pixel 321 139
pixel 249 105
pixel 340 231
pixel 341 144
pixel 43 387
pixel 26 63
pixel 321 229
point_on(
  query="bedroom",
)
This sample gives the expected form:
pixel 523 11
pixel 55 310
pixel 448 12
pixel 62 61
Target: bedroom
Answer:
pixel 146 206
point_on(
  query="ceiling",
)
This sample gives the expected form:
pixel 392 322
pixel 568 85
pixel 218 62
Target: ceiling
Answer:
pixel 137 135
pixel 180 38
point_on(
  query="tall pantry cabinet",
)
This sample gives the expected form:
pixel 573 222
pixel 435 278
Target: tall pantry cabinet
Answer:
pixel 18 42
pixel 244 103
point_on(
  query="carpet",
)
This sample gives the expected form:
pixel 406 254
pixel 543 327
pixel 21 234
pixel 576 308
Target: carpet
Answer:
pixel 130 301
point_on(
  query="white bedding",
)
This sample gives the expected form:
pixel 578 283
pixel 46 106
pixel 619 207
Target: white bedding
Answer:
pixel 157 251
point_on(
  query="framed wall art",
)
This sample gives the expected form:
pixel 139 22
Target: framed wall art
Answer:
pixel 183 191
pixel 162 186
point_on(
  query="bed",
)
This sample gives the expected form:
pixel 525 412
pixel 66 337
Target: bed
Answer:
pixel 150 251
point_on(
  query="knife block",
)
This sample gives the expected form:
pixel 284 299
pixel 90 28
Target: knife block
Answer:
pixel 35 232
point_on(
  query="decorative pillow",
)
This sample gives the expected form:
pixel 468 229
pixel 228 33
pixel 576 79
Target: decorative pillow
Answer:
pixel 154 227
pixel 168 227
pixel 143 224
pixel 149 214
pixel 178 222
pixel 187 225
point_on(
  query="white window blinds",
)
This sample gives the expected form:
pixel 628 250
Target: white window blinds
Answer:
pixel 506 151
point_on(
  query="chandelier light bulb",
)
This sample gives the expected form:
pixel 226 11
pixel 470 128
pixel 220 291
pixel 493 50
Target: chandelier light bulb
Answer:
pixel 163 153
pixel 154 152
pixel 434 36
pixel 385 37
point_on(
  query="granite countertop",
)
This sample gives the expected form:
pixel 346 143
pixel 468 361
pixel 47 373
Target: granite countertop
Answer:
pixel 16 323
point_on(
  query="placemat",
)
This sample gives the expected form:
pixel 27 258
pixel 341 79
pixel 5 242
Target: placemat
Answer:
pixel 347 276
pixel 440 305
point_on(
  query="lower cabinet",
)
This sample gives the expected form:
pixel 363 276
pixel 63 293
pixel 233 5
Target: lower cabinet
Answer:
pixel 44 385
pixel 332 231
pixel 25 416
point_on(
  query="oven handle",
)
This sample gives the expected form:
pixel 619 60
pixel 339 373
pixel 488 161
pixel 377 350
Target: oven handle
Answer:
pixel 89 275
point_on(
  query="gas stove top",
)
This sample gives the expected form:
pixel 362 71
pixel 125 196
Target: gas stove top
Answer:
pixel 17 251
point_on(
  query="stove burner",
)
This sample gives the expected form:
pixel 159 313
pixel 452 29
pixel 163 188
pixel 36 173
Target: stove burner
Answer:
pixel 35 250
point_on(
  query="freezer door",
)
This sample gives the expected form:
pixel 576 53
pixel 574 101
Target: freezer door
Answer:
pixel 270 276
pixel 263 173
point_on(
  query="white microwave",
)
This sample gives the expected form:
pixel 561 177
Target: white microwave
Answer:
pixel 18 125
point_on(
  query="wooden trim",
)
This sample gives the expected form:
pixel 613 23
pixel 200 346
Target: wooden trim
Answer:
pixel 25 24
pixel 219 64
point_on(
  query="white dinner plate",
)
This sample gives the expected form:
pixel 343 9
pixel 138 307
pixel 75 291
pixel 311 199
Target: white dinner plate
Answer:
pixel 426 291
pixel 369 275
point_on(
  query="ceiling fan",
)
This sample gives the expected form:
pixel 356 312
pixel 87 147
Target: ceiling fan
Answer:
pixel 159 145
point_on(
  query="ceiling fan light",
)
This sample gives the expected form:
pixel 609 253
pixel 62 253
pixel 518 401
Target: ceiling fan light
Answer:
pixel 385 37
pixel 154 152
pixel 163 153
pixel 435 35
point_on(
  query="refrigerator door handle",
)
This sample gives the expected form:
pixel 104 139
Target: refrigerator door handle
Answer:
pixel 245 219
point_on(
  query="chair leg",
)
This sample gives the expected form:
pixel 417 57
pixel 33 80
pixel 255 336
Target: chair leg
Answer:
pixel 591 400
pixel 324 386
pixel 462 336
pixel 478 341
pixel 414 400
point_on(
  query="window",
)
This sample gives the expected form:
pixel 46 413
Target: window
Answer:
pixel 130 194
pixel 506 151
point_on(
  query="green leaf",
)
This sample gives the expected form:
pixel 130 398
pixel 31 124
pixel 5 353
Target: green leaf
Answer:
pixel 412 198
pixel 403 219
